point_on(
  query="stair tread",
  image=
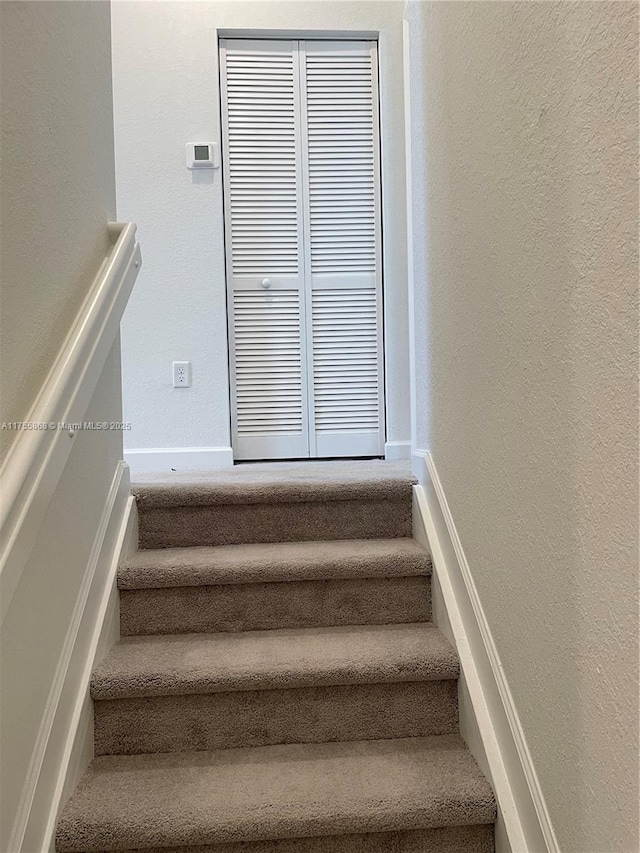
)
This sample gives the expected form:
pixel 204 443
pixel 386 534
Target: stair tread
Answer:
pixel 159 665
pixel 284 791
pixel 273 562
pixel 273 483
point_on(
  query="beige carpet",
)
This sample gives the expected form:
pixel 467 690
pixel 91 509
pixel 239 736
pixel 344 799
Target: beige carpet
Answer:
pixel 283 585
pixel 276 503
pixel 285 561
pixel 279 687
pixel 280 482
pixel 276 792
pixel 450 839
pixel 196 721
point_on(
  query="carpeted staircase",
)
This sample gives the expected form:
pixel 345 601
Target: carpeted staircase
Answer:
pixel 279 687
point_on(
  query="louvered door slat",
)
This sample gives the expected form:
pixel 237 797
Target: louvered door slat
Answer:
pixel 260 108
pixel 269 403
pixel 336 358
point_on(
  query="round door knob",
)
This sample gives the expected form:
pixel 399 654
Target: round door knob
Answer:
pixel 266 283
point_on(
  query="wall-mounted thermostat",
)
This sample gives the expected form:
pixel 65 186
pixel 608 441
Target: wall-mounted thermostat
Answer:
pixel 202 155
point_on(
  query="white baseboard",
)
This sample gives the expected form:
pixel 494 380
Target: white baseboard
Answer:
pixel 64 745
pixel 146 460
pixel 395 451
pixel 488 717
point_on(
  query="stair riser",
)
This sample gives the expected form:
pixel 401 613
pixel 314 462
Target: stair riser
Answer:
pixel 265 717
pixel 235 524
pixel 450 839
pixel 254 607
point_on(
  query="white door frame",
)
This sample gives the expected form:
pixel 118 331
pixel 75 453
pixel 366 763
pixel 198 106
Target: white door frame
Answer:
pixel 305 271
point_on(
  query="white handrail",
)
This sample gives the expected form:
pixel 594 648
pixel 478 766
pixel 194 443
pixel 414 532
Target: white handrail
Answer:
pixel 36 459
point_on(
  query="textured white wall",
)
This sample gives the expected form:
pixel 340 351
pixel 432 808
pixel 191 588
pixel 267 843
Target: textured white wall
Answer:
pixel 529 137
pixel 56 173
pixel 165 69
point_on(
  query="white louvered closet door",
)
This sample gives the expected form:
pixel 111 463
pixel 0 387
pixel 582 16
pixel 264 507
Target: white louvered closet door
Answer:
pixel 343 268
pixel 264 233
pixel 302 225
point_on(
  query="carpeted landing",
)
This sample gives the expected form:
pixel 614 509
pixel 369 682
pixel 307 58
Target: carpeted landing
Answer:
pixel 279 686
